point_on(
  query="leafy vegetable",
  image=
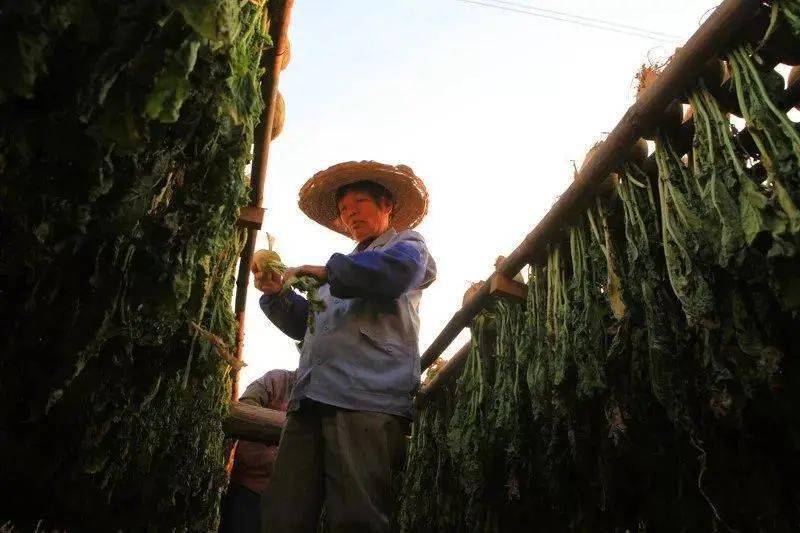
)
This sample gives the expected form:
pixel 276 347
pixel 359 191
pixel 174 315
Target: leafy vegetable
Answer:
pixel 308 285
pixel 778 144
pixel 125 130
pixel 652 365
pixel 270 261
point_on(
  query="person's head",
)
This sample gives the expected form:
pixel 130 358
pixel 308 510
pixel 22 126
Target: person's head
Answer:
pixel 365 209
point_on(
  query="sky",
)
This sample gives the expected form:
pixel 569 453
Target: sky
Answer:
pixel 490 107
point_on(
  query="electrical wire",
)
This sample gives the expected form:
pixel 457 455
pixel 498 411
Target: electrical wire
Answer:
pixel 575 19
pixel 587 19
pixel 582 21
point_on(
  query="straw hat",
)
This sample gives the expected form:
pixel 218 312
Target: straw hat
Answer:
pixel 318 195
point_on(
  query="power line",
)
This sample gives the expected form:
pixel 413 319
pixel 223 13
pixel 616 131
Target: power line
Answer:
pixel 581 21
pixel 587 19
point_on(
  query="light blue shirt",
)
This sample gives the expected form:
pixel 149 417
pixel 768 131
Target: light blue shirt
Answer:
pixel 364 351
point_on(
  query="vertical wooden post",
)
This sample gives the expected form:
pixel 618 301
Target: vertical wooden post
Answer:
pixel 279 13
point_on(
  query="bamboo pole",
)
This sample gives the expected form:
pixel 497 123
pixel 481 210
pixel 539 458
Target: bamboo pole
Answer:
pixel 271 59
pixel 710 40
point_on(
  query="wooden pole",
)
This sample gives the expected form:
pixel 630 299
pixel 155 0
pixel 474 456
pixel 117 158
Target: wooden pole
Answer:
pixel 710 40
pixel 279 12
pixel 253 423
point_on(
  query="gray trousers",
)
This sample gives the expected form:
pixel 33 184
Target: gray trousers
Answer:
pixel 344 459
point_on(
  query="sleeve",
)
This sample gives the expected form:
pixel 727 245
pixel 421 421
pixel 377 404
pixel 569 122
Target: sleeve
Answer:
pixel 288 311
pixel 258 392
pixel 385 273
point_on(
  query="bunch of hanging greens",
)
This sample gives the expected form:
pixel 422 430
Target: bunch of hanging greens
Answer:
pixel 468 438
pixel 125 130
pixel 654 364
pixel 269 261
pixel 430 480
pixel 777 142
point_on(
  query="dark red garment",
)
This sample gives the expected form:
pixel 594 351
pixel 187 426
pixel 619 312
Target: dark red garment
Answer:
pixel 253 461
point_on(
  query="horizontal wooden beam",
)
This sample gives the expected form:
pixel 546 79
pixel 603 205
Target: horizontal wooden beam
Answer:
pixel 455 364
pixel 251 217
pixel 711 40
pixel 253 423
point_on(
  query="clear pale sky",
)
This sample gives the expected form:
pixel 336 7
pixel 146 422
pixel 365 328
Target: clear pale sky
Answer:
pixel 489 107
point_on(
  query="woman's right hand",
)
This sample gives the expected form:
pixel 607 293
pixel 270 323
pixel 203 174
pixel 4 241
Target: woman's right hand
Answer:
pixel 268 282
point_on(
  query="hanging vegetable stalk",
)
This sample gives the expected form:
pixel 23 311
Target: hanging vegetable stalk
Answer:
pixel 680 203
pixel 717 170
pixel 654 307
pixel 509 402
pixel 562 371
pixel 736 212
pixel 538 375
pixel 544 375
pixel 775 136
pixel 418 507
pixel 431 493
pixel 778 144
pixel 468 436
pixel 558 340
pixel 590 313
pixel 790 15
pixel 604 249
pixel 684 235
pixel 450 506
pixel 656 377
pixel 687 247
pixel 624 346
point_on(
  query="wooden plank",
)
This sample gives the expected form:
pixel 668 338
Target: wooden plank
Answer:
pixel 504 287
pixel 253 423
pixel 251 217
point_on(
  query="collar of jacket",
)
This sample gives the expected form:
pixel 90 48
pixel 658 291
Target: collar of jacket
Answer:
pixel 379 241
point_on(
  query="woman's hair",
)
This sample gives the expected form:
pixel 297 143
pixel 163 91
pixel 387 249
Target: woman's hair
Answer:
pixel 376 191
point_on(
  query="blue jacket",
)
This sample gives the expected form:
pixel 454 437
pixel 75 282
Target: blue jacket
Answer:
pixel 364 351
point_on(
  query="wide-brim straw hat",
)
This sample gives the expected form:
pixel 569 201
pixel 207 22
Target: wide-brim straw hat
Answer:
pixel 318 195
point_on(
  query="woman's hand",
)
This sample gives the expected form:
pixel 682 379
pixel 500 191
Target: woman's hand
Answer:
pixel 306 270
pixel 269 283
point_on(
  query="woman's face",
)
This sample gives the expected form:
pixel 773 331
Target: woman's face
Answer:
pixel 362 216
